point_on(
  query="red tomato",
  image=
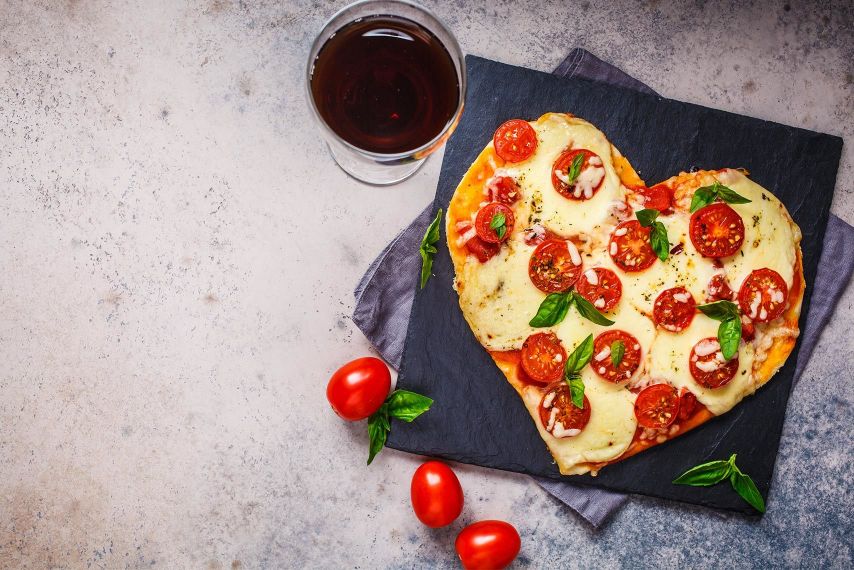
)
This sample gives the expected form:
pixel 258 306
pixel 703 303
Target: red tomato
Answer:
pixel 602 363
pixel 488 545
pixel 505 190
pixel 437 497
pixel 483 251
pixel 708 366
pixel 718 289
pixel 630 247
pixel 748 330
pixel 559 415
pixel 515 140
pixel 543 357
pixel 716 230
pixel 359 388
pixel 687 405
pixel 763 295
pixel 485 217
pixel 552 268
pixel 657 406
pixel 674 309
pixel 601 287
pixel 563 164
pixel 657 198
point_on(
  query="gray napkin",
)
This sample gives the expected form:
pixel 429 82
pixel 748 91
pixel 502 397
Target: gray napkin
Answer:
pixel 385 293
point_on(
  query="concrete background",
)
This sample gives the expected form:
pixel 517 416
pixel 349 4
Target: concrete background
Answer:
pixel 178 254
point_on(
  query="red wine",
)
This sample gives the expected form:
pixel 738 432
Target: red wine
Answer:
pixel 385 84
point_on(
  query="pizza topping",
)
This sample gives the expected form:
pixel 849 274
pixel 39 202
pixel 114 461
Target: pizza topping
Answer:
pixel 631 249
pixel 658 233
pixel 718 289
pixel 601 287
pixel 687 404
pixel 716 230
pixel 543 357
pixel 494 222
pixel 503 189
pixel 729 331
pixel 482 250
pixel 631 356
pixel 559 415
pixel 657 406
pixel 515 140
pixel 674 309
pixel 763 294
pixel 555 266
pixel 578 174
pixel 708 365
pixel 658 197
pixel 707 194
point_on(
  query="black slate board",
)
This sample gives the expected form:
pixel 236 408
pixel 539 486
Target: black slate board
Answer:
pixel 478 418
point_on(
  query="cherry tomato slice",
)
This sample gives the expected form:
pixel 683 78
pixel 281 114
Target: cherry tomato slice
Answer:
pixel 484 220
pixel 436 493
pixel 488 545
pixel 716 230
pixel 658 197
pixel 504 189
pixel 559 416
pixel 763 295
pixel 674 309
pixel 687 405
pixel 718 289
pixel 543 357
pixel 657 406
pixel 708 366
pixel 555 266
pixel 602 363
pixel 515 140
pixel 588 182
pixel 359 388
pixel 630 247
pixel 483 251
pixel 601 287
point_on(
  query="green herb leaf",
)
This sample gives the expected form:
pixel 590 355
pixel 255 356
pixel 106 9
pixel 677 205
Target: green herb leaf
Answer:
pixel 618 349
pixel 730 196
pixel 579 357
pixel 498 223
pixel 574 169
pixel 552 310
pixel 406 406
pixel 647 216
pixel 729 336
pixel 704 196
pixel 378 428
pixel 576 389
pixel 706 474
pixel 428 249
pixel 589 312
pixel 719 310
pixel 746 488
pixel 659 241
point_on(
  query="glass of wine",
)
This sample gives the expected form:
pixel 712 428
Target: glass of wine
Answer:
pixel 385 82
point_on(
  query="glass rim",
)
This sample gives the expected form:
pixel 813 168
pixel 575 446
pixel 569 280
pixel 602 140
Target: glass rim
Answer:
pixel 453 50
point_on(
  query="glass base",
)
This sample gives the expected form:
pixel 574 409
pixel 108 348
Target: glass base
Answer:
pixel 371 171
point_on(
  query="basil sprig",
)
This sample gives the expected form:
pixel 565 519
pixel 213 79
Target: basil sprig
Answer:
pixel 402 405
pixel 428 248
pixel 708 194
pixel 618 350
pixel 498 224
pixel 555 306
pixel 713 472
pixel 577 360
pixel 658 236
pixel 729 331
pixel 574 169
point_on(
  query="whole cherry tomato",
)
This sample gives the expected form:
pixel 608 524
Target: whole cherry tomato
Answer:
pixel 359 388
pixel 488 545
pixel 437 497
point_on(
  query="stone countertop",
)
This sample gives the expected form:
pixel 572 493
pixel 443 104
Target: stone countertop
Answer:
pixel 179 254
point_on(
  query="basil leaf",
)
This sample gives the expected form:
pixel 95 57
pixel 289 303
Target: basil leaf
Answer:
pixel 720 310
pixel 659 241
pixel 729 336
pixel 746 488
pixel 704 196
pixel 706 474
pixel 579 357
pixel 427 249
pixel 406 406
pixel 552 310
pixel 647 216
pixel 618 349
pixel 576 390
pixel 730 196
pixel 575 169
pixel 498 223
pixel 378 429
pixel 589 312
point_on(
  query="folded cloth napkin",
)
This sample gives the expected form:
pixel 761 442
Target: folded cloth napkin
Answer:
pixel 385 293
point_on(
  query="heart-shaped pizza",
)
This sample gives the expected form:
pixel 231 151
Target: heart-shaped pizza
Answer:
pixel 623 314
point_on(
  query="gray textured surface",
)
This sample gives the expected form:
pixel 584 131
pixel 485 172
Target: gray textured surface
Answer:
pixel 179 255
